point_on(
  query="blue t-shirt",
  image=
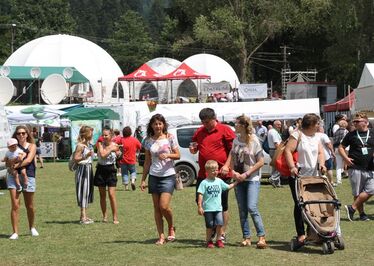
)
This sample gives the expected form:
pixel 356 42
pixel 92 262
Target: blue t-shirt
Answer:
pixel 211 189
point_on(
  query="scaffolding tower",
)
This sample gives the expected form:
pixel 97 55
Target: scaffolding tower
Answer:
pixel 310 75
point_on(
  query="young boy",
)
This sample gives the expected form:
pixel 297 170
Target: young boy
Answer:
pixel 14 156
pixel 209 202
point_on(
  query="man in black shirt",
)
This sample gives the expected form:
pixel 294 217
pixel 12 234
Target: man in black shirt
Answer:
pixel 360 164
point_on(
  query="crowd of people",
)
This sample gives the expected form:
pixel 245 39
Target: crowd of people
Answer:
pixel 224 156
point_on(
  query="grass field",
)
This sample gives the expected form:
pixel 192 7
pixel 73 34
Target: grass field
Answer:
pixel 63 241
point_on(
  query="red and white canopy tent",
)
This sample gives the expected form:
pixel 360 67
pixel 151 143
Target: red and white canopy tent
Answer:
pixel 181 73
pixel 344 104
pixel 143 73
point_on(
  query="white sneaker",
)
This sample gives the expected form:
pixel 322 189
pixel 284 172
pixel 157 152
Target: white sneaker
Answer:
pixel 14 236
pixel 34 232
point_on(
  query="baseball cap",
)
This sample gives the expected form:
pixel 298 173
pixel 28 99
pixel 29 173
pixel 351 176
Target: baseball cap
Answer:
pixel 11 142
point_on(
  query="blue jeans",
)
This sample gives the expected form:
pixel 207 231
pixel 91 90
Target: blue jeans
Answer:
pixel 125 169
pixel 247 197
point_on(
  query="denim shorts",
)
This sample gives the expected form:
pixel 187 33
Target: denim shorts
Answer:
pixel 159 184
pixel 31 184
pixel 212 219
pixel 329 164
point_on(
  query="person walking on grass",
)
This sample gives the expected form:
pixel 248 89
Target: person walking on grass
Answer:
pixel 26 144
pixel 130 146
pixel 161 150
pixel 213 142
pixel 246 159
pixel 84 187
pixel 337 138
pixel 209 203
pixel 105 175
pixel 360 164
pixel 274 140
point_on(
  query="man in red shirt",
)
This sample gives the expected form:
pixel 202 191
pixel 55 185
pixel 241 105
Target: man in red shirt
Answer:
pixel 214 142
pixel 130 146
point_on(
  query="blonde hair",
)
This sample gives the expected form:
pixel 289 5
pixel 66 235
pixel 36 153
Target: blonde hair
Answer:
pixel 211 164
pixel 85 134
pixel 361 115
pixel 247 123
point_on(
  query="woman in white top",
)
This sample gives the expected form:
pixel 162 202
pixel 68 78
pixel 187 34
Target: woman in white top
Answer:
pixel 83 175
pixel 311 160
pixel 246 159
pixel 161 150
pixel 106 173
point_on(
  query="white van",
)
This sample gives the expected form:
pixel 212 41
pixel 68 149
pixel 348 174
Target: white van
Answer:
pixel 4 136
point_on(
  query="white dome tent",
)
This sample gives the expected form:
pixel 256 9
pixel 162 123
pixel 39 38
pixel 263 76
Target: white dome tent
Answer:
pixel 214 66
pixel 65 50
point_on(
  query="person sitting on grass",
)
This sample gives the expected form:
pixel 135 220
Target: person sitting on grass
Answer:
pixel 209 202
pixel 15 156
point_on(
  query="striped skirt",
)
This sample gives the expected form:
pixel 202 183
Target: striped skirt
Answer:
pixel 84 186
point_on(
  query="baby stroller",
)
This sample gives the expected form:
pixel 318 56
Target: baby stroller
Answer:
pixel 321 211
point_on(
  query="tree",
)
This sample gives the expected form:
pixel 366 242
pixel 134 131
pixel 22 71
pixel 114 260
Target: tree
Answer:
pixel 131 44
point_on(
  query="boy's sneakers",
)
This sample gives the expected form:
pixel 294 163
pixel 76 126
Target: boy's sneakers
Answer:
pixel 14 236
pixel 350 212
pixel 34 232
pixel 364 217
pixel 210 244
pixel 220 244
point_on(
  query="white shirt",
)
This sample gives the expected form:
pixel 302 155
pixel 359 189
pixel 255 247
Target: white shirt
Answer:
pixel 273 137
pixel 325 140
pixel 308 153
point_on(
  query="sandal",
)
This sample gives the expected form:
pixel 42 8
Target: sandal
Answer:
pixel 160 242
pixel 246 242
pixel 261 244
pixel 116 222
pixel 105 219
pixel 171 236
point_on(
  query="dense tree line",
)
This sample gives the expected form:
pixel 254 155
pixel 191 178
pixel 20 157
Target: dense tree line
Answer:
pixel 333 36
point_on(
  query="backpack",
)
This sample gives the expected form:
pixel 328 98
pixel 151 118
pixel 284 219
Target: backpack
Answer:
pixel 72 164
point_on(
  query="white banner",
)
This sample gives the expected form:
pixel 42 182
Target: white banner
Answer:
pixel 253 91
pixel 215 87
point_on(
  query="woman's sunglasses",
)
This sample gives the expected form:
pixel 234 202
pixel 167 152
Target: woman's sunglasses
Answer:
pixel 21 133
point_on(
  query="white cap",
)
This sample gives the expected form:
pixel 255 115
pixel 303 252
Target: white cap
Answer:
pixel 12 142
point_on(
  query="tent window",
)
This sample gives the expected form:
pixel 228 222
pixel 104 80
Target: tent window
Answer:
pixel 148 91
pixel 187 89
pixel 120 90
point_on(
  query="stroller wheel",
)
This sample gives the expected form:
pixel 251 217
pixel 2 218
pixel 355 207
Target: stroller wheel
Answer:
pixel 328 247
pixel 339 243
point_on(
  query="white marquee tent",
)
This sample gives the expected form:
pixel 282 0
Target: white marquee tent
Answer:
pixel 364 94
pixel 65 50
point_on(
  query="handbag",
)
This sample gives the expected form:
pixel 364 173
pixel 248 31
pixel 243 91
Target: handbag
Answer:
pixel 178 182
pixel 279 159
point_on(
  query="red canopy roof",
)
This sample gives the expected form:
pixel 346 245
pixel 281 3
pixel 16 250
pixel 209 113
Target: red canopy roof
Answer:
pixel 344 104
pixel 185 72
pixel 143 73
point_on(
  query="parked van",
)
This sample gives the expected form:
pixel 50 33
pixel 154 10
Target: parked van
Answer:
pixel 4 136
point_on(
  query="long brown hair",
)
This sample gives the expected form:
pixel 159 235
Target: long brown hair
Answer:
pixel 29 139
pixel 247 123
pixel 84 134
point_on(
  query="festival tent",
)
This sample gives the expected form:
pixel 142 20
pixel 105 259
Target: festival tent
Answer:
pixel 344 104
pixel 91 114
pixel 143 73
pixel 184 72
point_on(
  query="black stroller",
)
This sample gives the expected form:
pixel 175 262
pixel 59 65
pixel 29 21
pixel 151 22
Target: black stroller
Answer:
pixel 321 211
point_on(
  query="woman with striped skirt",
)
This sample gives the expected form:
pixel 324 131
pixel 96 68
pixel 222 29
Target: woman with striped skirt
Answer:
pixel 83 175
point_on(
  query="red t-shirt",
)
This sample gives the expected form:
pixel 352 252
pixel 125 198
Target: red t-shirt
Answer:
pixel 214 145
pixel 129 147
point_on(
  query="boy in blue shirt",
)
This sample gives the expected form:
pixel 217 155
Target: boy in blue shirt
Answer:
pixel 209 202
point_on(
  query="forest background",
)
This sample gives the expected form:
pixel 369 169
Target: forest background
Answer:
pixel 335 37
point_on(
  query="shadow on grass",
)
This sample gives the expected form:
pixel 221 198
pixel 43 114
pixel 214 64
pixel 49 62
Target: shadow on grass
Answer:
pixel 187 243
pixel 62 222
pixel 4 236
pixel 285 246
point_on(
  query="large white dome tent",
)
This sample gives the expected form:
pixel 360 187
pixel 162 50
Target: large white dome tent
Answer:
pixel 66 50
pixel 214 66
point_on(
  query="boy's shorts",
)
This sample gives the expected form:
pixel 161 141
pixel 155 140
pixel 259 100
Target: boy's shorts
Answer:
pixel 212 219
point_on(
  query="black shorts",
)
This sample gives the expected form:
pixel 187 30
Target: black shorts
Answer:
pixel 224 195
pixel 105 176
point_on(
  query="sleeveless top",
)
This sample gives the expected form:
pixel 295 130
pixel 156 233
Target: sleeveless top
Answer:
pixel 30 168
pixel 86 150
pixel 110 159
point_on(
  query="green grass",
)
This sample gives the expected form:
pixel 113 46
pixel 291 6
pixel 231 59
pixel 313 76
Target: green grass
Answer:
pixel 63 241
